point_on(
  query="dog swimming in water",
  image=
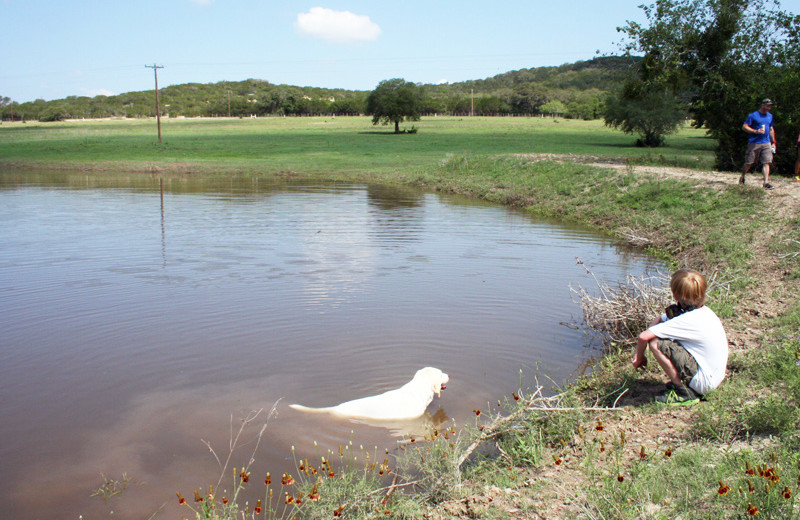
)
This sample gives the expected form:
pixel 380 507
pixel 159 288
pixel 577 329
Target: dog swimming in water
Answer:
pixel 407 402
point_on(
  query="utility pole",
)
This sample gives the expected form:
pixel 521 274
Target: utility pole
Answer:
pixel 229 103
pixel 158 111
pixel 472 102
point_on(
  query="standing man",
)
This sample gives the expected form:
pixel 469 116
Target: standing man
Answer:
pixel 761 143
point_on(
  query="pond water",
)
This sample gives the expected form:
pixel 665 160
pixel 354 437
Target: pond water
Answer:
pixel 141 321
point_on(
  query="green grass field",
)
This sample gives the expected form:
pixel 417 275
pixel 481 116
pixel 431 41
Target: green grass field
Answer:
pixel 323 144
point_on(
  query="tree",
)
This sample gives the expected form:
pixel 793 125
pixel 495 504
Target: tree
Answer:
pixel 394 101
pixel 553 108
pixel 724 56
pixel 650 113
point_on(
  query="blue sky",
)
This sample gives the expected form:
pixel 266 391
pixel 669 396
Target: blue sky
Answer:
pixel 56 48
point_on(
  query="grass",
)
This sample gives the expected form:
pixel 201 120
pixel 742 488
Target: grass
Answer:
pixel 749 422
pixel 316 145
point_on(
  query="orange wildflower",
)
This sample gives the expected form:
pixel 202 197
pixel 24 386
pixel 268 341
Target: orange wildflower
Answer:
pixel 723 489
pixel 181 500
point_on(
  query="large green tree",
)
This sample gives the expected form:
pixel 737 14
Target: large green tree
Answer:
pixel 394 101
pixel 723 57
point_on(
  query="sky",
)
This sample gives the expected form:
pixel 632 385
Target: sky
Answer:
pixel 52 49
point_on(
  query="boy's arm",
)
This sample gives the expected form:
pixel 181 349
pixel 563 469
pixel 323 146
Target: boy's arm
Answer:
pixel 639 359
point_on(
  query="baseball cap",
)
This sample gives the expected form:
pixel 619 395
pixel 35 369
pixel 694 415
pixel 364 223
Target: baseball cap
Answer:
pixel 767 101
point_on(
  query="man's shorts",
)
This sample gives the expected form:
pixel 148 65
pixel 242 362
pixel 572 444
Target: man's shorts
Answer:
pixel 680 357
pixel 760 151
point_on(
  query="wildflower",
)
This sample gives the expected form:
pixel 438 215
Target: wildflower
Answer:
pixel 599 426
pixel 314 494
pixel 268 479
pixel 750 487
pixel 556 460
pixel 749 470
pixel 299 499
pixel 287 498
pixel 668 453
pixel 225 501
pixel 751 510
pixel 723 489
pixel 622 439
pixel 620 478
pixel 287 480
pixel 477 412
pixel 331 474
pixel 642 454
pixel 515 396
pixel 197 497
pixel 257 509
pixel 338 512
pixel 245 476
pixel 181 500
pixel 602 446
pixel 787 493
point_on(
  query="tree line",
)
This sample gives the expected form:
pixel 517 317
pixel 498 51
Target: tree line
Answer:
pixel 574 90
pixel 714 60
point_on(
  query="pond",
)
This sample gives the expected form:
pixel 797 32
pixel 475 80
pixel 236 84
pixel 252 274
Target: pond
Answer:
pixel 141 319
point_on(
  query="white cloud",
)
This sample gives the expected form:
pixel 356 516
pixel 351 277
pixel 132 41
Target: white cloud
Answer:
pixel 337 26
pixel 443 81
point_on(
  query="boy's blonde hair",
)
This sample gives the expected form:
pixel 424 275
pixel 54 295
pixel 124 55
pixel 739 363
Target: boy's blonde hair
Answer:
pixel 688 287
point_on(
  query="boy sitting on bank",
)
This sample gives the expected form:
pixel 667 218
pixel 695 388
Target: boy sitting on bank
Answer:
pixel 687 340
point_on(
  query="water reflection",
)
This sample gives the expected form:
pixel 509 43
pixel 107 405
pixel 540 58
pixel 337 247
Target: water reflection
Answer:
pixel 137 321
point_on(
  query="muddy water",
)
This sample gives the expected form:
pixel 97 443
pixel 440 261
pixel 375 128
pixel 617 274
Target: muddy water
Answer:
pixel 138 326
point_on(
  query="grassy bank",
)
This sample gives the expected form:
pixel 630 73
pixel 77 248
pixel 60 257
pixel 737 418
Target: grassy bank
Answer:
pixel 602 449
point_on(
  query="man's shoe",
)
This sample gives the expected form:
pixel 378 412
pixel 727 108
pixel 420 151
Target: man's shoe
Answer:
pixel 768 186
pixel 679 396
pixel 741 179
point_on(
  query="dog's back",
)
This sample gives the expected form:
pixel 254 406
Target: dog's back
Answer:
pixel 407 402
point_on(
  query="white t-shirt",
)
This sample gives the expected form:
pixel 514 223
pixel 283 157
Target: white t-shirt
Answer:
pixel 702 335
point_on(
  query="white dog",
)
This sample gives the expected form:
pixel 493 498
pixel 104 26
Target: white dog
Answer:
pixel 407 402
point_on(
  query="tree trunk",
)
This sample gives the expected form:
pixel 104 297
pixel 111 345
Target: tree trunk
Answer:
pixel 397 127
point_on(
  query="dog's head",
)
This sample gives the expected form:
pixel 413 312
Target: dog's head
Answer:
pixel 435 377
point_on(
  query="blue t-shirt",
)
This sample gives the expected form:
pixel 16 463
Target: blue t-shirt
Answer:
pixel 755 121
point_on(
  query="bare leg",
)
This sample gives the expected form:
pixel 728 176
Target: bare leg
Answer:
pixel 664 361
pixel 747 168
pixel 765 168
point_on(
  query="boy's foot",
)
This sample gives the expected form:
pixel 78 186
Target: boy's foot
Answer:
pixel 741 179
pixel 678 396
pixel 768 186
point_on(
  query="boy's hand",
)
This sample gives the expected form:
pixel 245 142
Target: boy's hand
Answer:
pixel 639 362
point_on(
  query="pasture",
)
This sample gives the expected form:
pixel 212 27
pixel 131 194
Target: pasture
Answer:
pixel 327 145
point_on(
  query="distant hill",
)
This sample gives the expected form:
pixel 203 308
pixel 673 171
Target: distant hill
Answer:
pixel 571 90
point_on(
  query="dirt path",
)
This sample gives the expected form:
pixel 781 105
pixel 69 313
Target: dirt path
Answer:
pixel 553 490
